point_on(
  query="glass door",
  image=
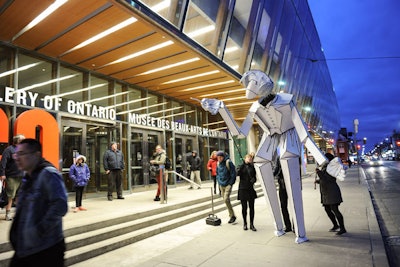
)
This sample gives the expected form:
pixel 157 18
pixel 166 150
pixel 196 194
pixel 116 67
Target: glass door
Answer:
pixel 73 143
pixel 142 148
pixel 183 150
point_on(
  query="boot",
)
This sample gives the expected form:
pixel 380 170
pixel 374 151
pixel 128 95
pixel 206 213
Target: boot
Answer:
pixel 341 231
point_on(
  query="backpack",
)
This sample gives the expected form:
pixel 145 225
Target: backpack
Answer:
pixel 167 163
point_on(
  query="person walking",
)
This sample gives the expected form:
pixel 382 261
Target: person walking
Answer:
pixel 113 161
pixel 36 233
pixel 80 174
pixel 212 168
pixel 159 159
pixel 10 173
pixel 195 165
pixel 283 196
pixel 226 177
pixel 246 192
pixel 331 197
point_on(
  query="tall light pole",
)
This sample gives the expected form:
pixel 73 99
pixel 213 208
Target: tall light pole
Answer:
pixel 356 123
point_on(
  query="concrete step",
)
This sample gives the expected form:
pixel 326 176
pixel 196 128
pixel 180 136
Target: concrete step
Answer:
pixel 98 237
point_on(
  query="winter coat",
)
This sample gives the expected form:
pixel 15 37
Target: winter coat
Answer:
pixel 330 191
pixel 247 175
pixel 42 202
pixel 195 163
pixel 80 174
pixel 224 176
pixel 212 166
pixel 113 160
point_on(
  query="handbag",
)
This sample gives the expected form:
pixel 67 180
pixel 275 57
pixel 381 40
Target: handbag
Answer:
pixel 3 196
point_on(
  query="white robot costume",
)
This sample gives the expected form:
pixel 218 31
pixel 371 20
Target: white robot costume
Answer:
pixel 284 129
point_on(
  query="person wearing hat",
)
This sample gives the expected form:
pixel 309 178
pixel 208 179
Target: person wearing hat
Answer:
pixel 226 177
pixel 195 165
pixel 80 174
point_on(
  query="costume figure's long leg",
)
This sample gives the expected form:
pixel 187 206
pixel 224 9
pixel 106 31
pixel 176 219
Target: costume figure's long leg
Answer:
pixel 263 166
pixel 264 170
pixel 292 176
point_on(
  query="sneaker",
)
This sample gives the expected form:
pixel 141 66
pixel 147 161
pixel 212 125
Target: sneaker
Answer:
pixel 157 198
pixel 232 220
pixel 8 216
pixel 120 197
pixel 82 208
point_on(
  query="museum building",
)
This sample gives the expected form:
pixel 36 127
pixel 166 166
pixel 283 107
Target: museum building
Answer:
pixel 78 75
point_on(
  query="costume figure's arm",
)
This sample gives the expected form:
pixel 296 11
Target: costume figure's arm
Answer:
pixel 215 106
pixel 305 137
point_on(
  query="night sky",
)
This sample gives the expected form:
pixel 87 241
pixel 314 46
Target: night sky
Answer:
pixel 361 42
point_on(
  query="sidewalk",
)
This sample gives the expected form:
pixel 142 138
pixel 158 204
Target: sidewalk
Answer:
pixel 199 244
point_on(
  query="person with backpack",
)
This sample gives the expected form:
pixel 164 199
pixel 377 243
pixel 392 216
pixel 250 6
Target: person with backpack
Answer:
pixel 159 159
pixel 331 197
pixel 226 177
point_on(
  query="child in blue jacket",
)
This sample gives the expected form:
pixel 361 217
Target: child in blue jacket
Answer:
pixel 79 173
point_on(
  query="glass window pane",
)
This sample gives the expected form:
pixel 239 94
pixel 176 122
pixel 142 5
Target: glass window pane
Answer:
pixel 72 88
pixel 200 21
pixel 37 79
pixel 237 31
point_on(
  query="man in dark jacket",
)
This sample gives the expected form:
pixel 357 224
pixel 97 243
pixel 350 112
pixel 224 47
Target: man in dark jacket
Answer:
pixel 10 173
pixel 226 177
pixel 37 232
pixel 195 165
pixel 113 161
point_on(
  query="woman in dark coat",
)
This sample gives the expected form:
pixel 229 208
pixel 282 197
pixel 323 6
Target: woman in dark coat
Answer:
pixel 331 198
pixel 246 192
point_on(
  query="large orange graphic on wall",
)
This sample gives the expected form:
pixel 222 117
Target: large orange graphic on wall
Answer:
pixel 27 123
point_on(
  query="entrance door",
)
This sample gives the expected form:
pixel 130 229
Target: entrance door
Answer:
pixel 184 145
pixel 143 145
pixel 73 143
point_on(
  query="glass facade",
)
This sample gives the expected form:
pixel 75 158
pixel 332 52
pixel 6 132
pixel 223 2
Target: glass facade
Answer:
pixel 278 37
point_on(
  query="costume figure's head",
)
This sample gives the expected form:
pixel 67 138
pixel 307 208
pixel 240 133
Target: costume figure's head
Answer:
pixel 256 83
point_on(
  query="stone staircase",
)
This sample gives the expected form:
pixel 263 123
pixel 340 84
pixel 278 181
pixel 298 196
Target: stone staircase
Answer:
pixel 95 238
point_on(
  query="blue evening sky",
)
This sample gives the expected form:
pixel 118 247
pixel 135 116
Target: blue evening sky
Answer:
pixel 366 34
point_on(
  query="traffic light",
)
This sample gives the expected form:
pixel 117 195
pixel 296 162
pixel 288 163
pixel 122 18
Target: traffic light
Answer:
pixel 358 147
pixel 398 143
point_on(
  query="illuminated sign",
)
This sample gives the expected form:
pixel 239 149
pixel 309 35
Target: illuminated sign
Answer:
pixel 53 103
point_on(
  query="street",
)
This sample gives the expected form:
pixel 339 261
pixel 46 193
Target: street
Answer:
pixel 384 186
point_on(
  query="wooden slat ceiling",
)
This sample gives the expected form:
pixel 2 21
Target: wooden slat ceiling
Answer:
pixel 76 21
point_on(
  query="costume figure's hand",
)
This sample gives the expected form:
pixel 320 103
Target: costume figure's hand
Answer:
pixel 211 104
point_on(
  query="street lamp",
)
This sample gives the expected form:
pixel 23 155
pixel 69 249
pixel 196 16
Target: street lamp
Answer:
pixel 356 123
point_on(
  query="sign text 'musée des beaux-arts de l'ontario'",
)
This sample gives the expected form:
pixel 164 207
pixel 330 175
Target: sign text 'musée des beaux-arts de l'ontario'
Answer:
pixel 51 103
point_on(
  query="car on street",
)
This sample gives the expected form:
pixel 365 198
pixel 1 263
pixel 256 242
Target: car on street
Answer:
pixel 375 162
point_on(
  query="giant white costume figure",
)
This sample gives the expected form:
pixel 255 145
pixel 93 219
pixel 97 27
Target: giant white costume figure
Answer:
pixel 284 130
